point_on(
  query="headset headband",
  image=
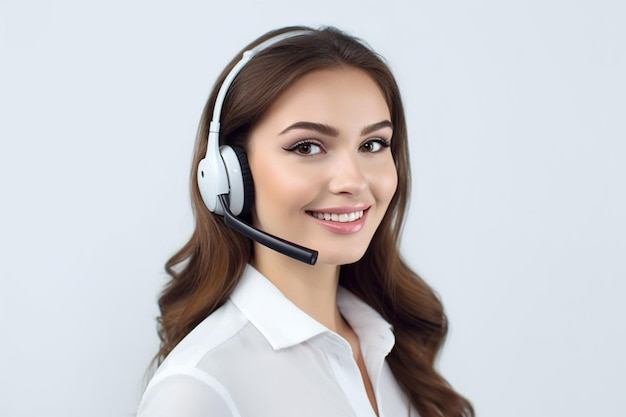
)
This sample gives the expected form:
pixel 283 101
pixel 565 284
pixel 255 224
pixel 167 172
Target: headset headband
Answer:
pixel 214 126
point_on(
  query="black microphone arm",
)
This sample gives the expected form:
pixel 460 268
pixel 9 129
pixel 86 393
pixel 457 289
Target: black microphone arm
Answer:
pixel 300 253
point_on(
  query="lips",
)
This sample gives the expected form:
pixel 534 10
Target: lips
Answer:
pixel 341 220
pixel 338 217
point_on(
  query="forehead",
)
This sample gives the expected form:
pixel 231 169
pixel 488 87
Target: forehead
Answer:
pixel 337 96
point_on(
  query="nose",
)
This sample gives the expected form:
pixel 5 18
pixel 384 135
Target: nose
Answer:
pixel 347 176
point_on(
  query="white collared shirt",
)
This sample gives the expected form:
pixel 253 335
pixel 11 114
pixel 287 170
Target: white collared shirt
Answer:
pixel 260 355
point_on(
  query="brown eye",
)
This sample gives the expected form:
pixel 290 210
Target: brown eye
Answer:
pixel 368 147
pixel 305 148
pixel 373 146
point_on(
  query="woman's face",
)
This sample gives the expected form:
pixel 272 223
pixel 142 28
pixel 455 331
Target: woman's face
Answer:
pixel 322 166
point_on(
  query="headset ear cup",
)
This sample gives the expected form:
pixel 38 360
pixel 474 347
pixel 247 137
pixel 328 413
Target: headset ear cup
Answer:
pixel 248 182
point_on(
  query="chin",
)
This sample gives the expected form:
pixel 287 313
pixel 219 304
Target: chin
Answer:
pixel 340 257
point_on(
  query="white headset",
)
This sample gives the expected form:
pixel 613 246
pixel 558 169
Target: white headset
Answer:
pixel 224 169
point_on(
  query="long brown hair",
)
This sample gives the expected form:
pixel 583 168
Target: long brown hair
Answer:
pixel 206 270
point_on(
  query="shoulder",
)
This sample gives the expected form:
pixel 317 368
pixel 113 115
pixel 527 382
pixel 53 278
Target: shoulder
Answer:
pixel 180 388
pixel 187 393
pixel 214 331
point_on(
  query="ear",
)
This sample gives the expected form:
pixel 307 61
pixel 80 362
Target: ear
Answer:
pixel 241 195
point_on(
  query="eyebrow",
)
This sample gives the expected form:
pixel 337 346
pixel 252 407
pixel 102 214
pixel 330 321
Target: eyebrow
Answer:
pixel 331 131
pixel 376 126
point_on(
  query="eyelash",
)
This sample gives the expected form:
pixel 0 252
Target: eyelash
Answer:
pixel 382 142
pixel 296 147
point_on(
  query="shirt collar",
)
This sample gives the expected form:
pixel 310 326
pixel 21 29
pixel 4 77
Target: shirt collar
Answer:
pixel 283 324
pixel 278 319
pixel 367 323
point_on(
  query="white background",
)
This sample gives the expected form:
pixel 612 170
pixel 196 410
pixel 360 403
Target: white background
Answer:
pixel 516 113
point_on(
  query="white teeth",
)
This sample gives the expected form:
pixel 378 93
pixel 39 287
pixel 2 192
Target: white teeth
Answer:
pixel 341 218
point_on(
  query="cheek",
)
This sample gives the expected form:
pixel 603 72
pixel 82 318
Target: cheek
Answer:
pixel 385 182
pixel 272 180
pixel 278 188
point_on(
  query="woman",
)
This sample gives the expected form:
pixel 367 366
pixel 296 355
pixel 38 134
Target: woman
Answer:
pixel 255 324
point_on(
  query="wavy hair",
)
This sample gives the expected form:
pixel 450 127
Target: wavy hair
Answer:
pixel 207 268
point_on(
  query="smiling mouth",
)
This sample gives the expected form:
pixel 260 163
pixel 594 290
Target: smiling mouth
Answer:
pixel 338 217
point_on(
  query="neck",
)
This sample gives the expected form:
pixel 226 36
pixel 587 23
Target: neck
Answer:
pixel 313 288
